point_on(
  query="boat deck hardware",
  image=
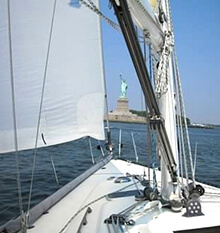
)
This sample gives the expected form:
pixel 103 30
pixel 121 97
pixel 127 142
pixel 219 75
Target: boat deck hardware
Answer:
pixel 84 219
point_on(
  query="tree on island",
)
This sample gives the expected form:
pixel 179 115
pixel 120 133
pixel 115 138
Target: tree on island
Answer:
pixel 143 114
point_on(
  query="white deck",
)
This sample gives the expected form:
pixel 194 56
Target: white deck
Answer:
pixel 67 214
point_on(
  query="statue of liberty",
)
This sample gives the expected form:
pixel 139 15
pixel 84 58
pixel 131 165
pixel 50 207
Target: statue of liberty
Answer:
pixel 124 87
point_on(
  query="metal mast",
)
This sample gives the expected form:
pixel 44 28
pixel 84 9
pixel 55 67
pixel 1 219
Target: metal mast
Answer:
pixel 156 121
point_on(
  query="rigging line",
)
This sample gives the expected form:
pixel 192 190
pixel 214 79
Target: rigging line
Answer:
pixel 102 151
pixel 52 162
pixel 91 203
pixel 136 186
pixel 149 144
pixel 54 171
pixel 168 6
pixel 183 187
pixel 134 146
pixel 194 167
pixel 180 117
pixel 95 9
pixel 91 152
pixel 184 114
pixel 184 152
pixel 180 147
pixel 178 122
pixel 14 116
pixel 153 156
pixel 149 139
pixel 119 143
pixel 41 104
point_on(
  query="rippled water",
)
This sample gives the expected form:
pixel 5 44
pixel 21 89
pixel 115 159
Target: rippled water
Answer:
pixel 71 159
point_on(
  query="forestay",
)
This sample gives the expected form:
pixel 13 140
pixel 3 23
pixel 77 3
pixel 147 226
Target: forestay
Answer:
pixel 73 99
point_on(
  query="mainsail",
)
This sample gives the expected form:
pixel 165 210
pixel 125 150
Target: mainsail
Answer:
pixel 54 60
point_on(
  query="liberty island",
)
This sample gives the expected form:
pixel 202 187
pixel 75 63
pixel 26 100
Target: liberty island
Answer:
pixel 122 112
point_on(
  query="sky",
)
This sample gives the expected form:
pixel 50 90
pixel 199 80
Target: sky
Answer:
pixel 197 41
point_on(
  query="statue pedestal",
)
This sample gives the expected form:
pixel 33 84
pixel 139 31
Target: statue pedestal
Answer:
pixel 122 113
pixel 122 106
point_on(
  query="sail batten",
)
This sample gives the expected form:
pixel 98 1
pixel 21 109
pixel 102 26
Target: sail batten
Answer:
pixel 73 101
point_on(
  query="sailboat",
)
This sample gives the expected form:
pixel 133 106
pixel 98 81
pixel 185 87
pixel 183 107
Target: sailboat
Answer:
pixel 52 80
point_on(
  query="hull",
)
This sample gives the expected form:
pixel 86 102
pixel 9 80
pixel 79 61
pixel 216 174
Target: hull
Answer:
pixel 108 191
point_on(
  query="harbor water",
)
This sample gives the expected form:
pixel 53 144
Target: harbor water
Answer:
pixel 73 158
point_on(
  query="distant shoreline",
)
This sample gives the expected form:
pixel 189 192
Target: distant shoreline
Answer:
pixel 198 126
pixel 122 118
pixel 202 126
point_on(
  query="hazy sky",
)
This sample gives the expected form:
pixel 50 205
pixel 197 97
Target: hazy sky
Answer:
pixel 197 39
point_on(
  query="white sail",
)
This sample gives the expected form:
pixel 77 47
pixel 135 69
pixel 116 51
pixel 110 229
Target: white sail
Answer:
pixel 73 100
pixel 143 15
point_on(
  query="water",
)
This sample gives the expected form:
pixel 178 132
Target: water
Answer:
pixel 72 159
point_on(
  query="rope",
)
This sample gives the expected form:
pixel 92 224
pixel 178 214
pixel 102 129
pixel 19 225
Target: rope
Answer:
pixel 169 21
pixel 87 205
pixel 149 138
pixel 181 96
pixel 183 114
pixel 41 104
pixel 180 147
pixel 91 152
pixel 14 122
pixel 134 146
pixel 119 143
pixel 102 151
pixel 95 9
pixel 54 171
pixel 182 154
pixel 181 124
pixel 153 156
pixel 194 167
pixel 149 147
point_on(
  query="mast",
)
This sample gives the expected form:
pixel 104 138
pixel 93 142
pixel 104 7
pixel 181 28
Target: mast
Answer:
pixel 156 120
pixel 160 101
pixel 165 96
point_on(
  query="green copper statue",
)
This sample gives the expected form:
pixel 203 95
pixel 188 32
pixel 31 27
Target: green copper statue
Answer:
pixel 124 87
